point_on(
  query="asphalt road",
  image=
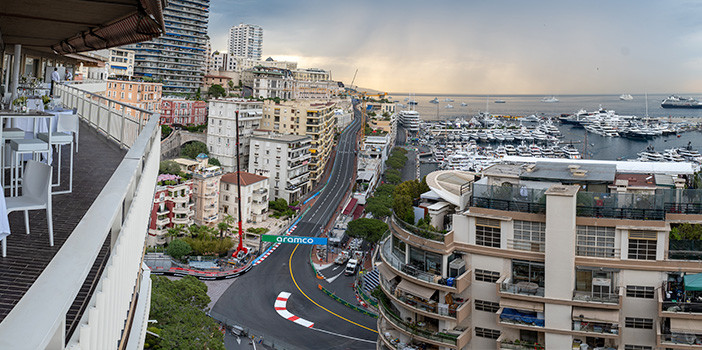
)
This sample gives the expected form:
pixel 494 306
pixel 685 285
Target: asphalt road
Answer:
pixel 249 301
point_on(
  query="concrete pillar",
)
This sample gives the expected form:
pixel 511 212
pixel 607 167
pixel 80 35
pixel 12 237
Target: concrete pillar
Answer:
pixel 560 261
pixel 15 70
pixel 7 74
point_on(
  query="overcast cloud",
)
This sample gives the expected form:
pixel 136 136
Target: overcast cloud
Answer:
pixel 483 47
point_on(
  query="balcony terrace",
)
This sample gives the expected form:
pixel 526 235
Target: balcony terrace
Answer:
pixel 98 227
pixel 458 311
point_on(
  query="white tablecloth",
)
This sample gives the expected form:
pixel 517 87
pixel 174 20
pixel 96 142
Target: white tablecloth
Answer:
pixel 4 222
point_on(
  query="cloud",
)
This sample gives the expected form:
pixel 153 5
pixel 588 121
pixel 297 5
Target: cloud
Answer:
pixel 496 47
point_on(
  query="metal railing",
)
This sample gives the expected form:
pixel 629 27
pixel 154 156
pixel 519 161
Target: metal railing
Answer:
pixel 386 252
pixel 522 244
pixel 612 298
pixel 510 198
pixel 595 327
pixel 120 122
pixel 524 288
pixel 413 328
pixel 118 216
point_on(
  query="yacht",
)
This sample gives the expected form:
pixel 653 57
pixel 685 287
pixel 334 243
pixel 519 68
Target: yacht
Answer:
pixel 571 152
pixel 463 104
pixel 650 155
pixel 626 97
pixel 672 155
pixel 448 100
pixel 675 101
pixel 449 106
pixel 500 101
pixel 412 103
pixel 510 150
pixel 435 100
pixel 549 99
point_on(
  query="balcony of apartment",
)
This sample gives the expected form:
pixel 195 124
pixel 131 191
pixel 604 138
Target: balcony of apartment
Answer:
pixel 424 300
pixel 162 221
pixel 612 299
pixel 424 331
pixel 210 219
pixel 679 334
pixel 391 338
pixel 162 211
pixel 521 314
pixel 591 322
pixel 179 199
pixel 211 194
pixel 260 191
pixel 182 221
pixel 419 236
pixel 422 276
pixel 509 198
pixel 506 286
pixel 505 343
pixel 98 227
pixel 678 303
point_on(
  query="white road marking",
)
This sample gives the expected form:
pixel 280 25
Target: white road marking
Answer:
pixel 331 279
pixel 282 309
pixel 345 336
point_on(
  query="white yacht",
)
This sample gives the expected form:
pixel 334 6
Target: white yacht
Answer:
pixel 571 152
pixel 626 97
pixel 448 100
pixel 463 104
pixel 549 99
pixel 449 106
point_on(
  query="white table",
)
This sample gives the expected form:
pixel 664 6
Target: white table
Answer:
pixel 4 223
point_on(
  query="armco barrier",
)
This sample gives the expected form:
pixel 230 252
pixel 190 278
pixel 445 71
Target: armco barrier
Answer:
pixel 346 303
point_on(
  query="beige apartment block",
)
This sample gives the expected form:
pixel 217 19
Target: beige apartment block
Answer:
pixel 310 118
pixel 284 159
pixel 546 256
pixel 254 196
pixel 206 181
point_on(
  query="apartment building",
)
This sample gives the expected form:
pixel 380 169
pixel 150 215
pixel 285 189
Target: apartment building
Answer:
pixel 254 196
pixel 311 74
pixel 144 95
pixel 173 205
pixel 246 40
pixel 267 82
pixel 183 112
pixel 120 63
pixel 284 159
pixel 314 119
pixel 221 130
pixel 206 180
pixel 177 58
pixel 547 255
pixel 223 61
pixel 370 165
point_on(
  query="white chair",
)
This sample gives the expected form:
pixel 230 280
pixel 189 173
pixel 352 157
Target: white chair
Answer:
pixel 66 134
pixel 7 135
pixel 36 195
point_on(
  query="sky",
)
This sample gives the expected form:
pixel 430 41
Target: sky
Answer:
pixel 482 47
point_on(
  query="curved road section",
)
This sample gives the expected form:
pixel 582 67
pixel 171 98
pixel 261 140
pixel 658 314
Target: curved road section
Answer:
pixel 250 301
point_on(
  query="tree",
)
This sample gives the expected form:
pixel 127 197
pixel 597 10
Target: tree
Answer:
pixel 370 230
pixel 225 225
pixel 379 206
pixel 180 307
pixel 169 167
pixel 175 231
pixel 193 148
pixel 214 161
pixel 384 190
pixel 198 94
pixel 393 176
pixel 165 131
pixel 216 91
pixel 230 84
pixel 178 248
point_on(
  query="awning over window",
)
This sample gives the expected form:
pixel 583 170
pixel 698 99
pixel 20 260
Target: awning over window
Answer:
pixel 386 272
pixel 71 26
pixel 522 305
pixel 685 326
pixel 415 289
pixel 693 283
pixel 595 315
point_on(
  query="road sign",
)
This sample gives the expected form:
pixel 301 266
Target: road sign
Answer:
pixel 294 239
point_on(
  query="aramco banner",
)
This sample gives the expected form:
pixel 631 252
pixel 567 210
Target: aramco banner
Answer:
pixel 294 239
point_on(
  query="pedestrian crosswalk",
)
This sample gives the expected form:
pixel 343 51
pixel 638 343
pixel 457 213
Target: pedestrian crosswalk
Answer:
pixel 371 280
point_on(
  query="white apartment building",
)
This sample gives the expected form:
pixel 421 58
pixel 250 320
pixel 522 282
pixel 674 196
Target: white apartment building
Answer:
pixel 206 180
pixel 547 255
pixel 246 40
pixel 268 82
pixel 221 130
pixel 254 197
pixel 120 63
pixel 224 61
pixel 370 165
pixel 284 159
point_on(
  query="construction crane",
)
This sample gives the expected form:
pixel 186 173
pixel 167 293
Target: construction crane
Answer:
pixel 354 78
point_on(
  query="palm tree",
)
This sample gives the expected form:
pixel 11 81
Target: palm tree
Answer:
pixel 225 225
pixel 175 231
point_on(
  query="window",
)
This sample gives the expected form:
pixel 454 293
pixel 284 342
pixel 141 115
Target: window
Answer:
pixel 529 235
pixel 425 261
pixel 597 282
pixel 644 292
pixel 642 245
pixel 487 333
pixel 595 241
pixel 489 306
pixel 637 347
pixel 487 232
pixel 635 322
pixel 528 271
pixel 486 275
pixel 398 248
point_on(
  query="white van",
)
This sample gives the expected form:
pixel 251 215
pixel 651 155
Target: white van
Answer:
pixel 351 267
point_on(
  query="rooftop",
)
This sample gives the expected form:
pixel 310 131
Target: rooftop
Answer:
pixel 635 180
pixel 570 173
pixel 281 137
pixel 672 168
pixel 246 178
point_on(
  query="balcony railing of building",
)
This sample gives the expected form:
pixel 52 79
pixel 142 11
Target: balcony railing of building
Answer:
pixel 679 304
pixel 510 198
pixel 210 218
pixel 596 327
pixel 525 288
pixel 415 328
pixel 434 236
pixel 610 298
pixel 635 206
pixel 117 218
pixel 521 318
pixel 458 311
pixel 503 342
pixel 530 246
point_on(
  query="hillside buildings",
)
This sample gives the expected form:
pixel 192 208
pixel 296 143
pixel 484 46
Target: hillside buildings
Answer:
pixel 285 160
pixel 177 58
pixel 268 82
pixel 144 95
pixel 120 63
pixel 173 205
pixel 246 40
pixel 313 119
pixel 254 196
pixel 206 180
pixel 547 255
pixel 221 130
pixel 182 112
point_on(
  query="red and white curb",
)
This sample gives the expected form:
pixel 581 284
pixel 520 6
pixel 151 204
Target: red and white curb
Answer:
pixel 274 247
pixel 281 308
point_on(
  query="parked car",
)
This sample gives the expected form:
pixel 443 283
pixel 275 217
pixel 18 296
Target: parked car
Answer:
pixel 342 258
pixel 351 267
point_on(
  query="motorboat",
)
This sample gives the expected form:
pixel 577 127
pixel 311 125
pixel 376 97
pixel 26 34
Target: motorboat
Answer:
pixel 463 104
pixel 500 101
pixel 549 99
pixel 626 97
pixel 448 100
pixel 435 100
pixel 571 152
pixel 449 106
pixel 675 101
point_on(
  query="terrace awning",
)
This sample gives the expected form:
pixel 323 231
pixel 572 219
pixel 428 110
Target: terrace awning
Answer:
pixel 386 272
pixel 693 283
pixel 72 26
pixel 416 290
pixel 596 315
pixel 522 305
pixel 680 325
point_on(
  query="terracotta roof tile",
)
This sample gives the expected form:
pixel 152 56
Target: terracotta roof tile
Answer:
pixel 246 178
